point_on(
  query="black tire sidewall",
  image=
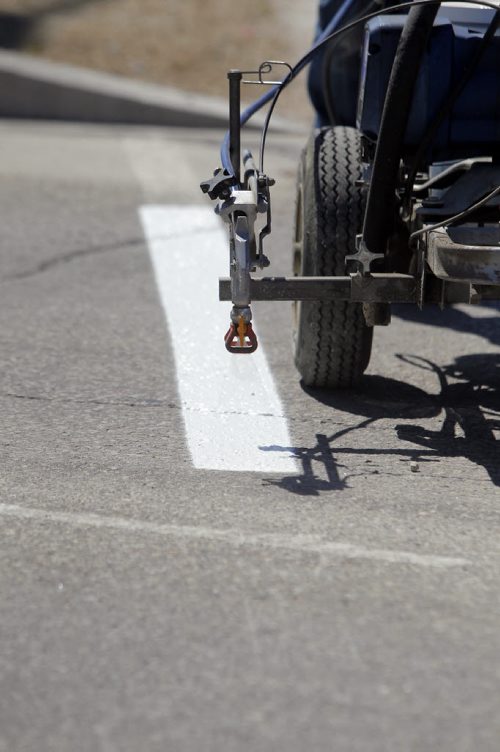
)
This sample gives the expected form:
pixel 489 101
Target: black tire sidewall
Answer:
pixel 331 340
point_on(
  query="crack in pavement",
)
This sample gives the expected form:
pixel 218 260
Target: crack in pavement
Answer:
pixel 155 402
pixel 67 258
pixel 106 403
pixel 175 406
pixel 405 455
pixel 143 403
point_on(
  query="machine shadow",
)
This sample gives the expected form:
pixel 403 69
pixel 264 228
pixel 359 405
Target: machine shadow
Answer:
pixel 467 405
pixel 376 398
pixel 485 326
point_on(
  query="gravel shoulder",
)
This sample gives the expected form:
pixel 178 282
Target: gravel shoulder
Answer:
pixel 189 45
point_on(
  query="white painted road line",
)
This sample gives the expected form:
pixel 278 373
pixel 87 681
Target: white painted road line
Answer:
pixel 232 412
pixel 314 544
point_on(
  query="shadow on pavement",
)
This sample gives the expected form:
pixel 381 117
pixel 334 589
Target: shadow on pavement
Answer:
pixel 376 398
pixel 457 319
pixel 468 403
pixel 17 28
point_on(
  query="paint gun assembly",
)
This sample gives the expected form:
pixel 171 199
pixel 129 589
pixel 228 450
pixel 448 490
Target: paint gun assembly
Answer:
pixel 398 190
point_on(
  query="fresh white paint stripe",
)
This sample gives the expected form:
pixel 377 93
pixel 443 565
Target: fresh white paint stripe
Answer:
pixel 233 415
pixel 303 543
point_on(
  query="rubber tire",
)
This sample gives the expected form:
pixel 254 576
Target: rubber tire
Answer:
pixel 332 343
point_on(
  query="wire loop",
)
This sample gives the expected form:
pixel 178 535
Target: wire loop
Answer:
pixel 264 69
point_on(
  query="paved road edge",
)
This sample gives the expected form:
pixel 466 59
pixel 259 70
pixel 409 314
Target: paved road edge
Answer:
pixel 33 87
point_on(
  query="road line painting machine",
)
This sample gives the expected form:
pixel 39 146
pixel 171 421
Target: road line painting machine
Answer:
pixel 398 190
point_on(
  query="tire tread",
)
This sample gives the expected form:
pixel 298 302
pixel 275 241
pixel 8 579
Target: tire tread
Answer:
pixel 333 342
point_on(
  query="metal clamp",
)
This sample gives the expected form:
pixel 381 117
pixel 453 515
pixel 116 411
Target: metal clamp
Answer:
pixel 363 256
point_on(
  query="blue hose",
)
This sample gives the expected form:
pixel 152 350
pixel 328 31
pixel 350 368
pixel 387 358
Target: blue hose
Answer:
pixel 270 94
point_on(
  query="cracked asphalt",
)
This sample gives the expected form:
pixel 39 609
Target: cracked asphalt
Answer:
pixel 148 605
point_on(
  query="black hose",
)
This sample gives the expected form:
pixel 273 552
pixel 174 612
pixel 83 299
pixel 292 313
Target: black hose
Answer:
pixel 380 204
pixel 456 217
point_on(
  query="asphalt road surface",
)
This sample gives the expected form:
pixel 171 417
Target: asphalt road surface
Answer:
pixel 266 569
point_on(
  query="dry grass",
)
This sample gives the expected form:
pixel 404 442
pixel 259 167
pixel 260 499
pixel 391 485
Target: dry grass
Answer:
pixel 189 44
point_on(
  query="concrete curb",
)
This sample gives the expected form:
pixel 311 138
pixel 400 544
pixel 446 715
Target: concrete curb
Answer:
pixel 35 88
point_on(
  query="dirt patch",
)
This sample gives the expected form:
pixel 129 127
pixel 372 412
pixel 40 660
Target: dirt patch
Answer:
pixel 189 44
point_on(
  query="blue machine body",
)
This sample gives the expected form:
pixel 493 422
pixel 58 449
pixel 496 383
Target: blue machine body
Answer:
pixel 473 126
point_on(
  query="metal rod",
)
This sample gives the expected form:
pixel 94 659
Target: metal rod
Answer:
pixel 385 288
pixel 234 77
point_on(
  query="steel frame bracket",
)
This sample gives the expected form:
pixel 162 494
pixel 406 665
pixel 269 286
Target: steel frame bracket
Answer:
pixel 454 254
pixel 357 288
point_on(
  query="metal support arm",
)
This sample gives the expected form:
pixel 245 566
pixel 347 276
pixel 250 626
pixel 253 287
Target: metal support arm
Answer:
pixel 383 288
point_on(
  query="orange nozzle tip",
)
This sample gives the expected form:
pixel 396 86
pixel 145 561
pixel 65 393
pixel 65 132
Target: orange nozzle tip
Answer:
pixel 242 330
